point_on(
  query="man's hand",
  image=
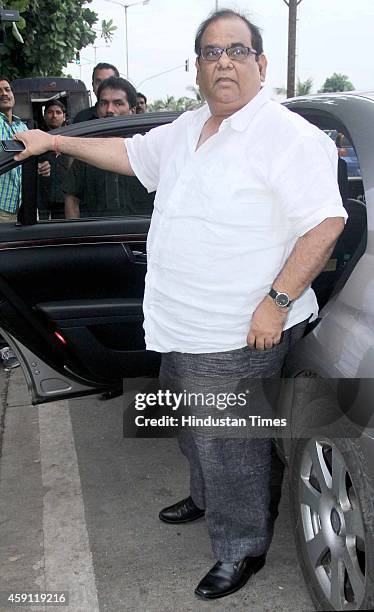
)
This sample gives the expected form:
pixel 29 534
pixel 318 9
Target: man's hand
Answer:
pixel 35 141
pixel 44 168
pixel 267 325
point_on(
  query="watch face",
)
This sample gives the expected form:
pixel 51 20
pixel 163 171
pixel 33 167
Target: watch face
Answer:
pixel 282 300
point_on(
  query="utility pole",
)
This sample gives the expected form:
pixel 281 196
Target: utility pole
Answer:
pixel 292 19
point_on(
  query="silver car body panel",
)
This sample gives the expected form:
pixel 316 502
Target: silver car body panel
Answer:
pixel 342 344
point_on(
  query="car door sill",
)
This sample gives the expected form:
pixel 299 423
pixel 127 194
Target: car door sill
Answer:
pixel 46 384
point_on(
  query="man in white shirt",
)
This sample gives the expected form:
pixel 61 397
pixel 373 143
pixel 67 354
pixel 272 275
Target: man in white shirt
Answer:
pixel 246 214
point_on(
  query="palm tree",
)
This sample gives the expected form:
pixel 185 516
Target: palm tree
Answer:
pixel 197 93
pixel 281 91
pixel 170 103
pixel 107 30
pixel 303 88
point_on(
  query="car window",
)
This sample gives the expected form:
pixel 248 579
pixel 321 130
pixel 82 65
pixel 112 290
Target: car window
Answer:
pixel 346 151
pixel 77 190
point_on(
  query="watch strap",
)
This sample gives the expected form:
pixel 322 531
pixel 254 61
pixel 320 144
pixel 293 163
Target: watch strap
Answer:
pixel 274 294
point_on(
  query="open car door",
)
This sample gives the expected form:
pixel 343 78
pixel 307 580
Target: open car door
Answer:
pixel 71 291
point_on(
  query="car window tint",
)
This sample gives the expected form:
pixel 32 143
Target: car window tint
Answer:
pixel 50 200
pixel 346 151
pixel 77 190
pixel 90 192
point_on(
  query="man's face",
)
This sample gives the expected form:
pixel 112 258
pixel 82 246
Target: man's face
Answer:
pixel 141 106
pixel 100 76
pixel 228 84
pixel 113 103
pixel 54 117
pixel 6 97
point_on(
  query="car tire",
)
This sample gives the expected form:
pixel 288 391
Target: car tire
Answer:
pixel 332 506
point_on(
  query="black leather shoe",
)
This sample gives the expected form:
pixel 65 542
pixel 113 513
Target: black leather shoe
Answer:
pixel 226 578
pixel 181 512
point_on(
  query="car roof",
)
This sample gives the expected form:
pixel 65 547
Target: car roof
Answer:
pixel 47 84
pixel 338 95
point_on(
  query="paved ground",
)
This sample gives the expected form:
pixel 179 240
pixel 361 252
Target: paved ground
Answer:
pixel 78 513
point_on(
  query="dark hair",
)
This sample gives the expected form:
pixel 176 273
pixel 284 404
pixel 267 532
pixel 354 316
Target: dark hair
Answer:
pixel 140 95
pixel 55 103
pixel 121 84
pixel 228 13
pixel 4 78
pixel 104 66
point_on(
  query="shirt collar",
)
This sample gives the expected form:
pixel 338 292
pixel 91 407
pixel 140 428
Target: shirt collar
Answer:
pixel 241 119
pixel 15 119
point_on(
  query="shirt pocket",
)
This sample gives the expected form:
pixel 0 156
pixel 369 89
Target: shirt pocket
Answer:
pixel 243 206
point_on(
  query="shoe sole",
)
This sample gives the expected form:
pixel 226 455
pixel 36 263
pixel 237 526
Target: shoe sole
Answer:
pixel 179 522
pixel 234 589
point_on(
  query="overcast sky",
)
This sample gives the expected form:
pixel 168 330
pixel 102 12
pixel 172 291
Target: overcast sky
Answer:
pixel 332 36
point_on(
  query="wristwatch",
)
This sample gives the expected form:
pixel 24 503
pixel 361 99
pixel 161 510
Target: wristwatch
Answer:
pixel 281 299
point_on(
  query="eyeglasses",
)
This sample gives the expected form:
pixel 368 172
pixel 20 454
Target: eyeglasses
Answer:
pixel 237 53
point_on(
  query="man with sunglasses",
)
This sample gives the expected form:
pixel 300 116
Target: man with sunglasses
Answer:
pixel 246 214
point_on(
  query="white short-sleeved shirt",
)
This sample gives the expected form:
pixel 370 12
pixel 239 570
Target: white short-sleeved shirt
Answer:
pixel 226 217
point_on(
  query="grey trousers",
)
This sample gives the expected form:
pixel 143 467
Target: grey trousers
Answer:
pixel 229 476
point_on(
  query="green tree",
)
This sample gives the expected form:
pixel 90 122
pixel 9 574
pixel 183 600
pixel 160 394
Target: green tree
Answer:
pixel 197 93
pixel 303 88
pixel 14 29
pixel 337 82
pixel 52 31
pixel 281 91
pixel 107 30
pixel 170 103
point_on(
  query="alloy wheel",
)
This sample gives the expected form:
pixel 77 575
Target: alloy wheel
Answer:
pixel 332 525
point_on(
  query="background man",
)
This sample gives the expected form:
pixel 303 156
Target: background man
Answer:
pixel 50 194
pixel 241 226
pixel 54 114
pixel 11 185
pixel 141 103
pixel 90 192
pixel 101 72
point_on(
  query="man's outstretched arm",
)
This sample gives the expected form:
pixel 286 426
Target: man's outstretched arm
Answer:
pixel 106 153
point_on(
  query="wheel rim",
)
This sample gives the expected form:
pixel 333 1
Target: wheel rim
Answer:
pixel 332 525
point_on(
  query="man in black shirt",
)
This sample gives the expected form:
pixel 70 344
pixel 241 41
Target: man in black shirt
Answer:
pixel 91 192
pixel 101 72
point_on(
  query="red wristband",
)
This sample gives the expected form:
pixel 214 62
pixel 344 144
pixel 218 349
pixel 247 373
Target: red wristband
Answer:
pixel 55 148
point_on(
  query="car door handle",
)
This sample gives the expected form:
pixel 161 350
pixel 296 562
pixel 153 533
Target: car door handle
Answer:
pixel 135 256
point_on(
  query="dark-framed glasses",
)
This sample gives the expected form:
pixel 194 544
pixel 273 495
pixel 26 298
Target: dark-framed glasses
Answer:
pixel 235 52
